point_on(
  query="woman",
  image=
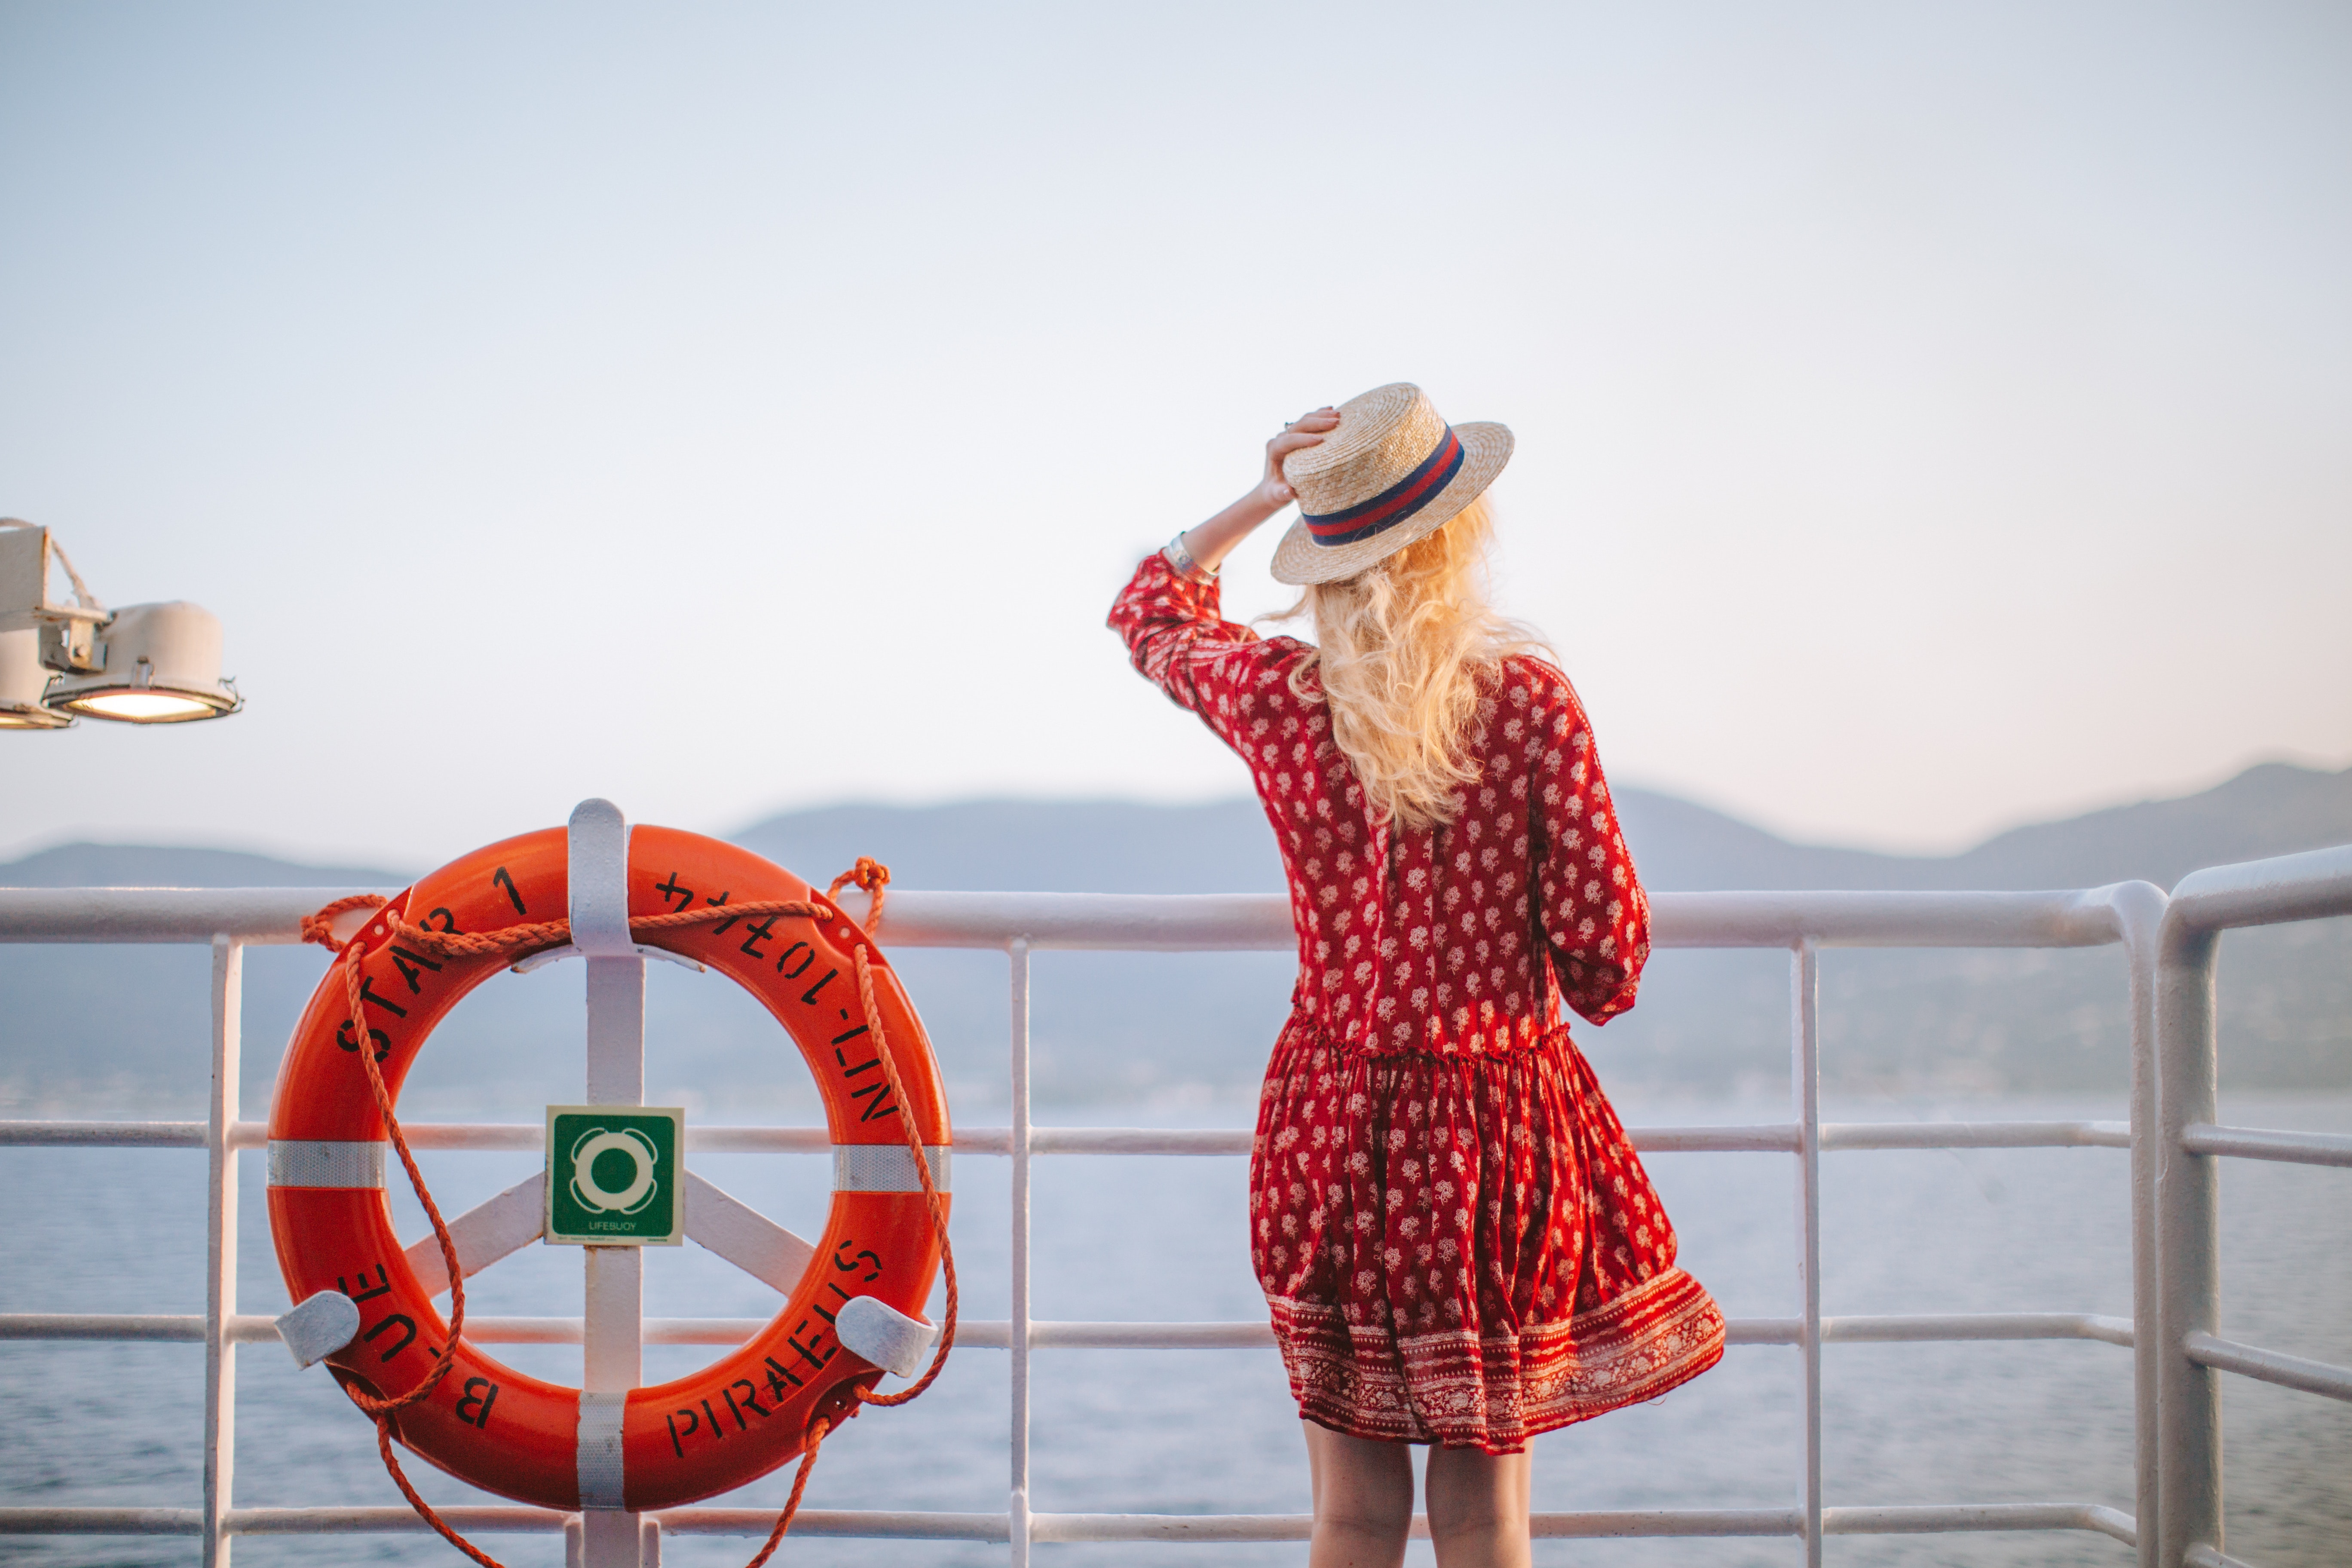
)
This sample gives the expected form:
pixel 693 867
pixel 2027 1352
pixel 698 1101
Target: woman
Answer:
pixel 1457 1243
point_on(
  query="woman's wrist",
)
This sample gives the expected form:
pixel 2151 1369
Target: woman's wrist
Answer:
pixel 1211 541
pixel 1181 561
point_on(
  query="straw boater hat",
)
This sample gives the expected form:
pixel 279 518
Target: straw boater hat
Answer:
pixel 1391 473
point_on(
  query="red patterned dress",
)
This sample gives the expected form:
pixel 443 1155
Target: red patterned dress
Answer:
pixel 1458 1243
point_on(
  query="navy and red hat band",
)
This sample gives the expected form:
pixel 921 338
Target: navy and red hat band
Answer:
pixel 1394 504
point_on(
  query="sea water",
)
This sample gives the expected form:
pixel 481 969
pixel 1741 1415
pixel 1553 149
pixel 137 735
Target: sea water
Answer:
pixel 1201 1431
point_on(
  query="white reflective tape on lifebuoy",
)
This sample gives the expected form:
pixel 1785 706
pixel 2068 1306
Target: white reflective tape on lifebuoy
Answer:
pixel 316 1163
pixel 885 1168
pixel 601 1476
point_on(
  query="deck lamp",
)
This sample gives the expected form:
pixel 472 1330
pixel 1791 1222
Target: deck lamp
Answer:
pixel 144 664
pixel 153 664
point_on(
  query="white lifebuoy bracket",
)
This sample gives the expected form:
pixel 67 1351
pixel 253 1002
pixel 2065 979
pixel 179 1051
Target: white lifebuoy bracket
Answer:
pixel 321 1325
pixel 884 1335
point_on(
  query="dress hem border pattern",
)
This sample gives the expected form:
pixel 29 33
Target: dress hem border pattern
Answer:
pixel 1495 1391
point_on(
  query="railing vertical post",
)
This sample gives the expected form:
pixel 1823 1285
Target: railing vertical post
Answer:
pixel 220 1249
pixel 2139 916
pixel 2188 1244
pixel 1804 1052
pixel 1018 1500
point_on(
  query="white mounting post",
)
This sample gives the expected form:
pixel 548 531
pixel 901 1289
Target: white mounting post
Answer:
pixel 1805 1056
pixel 1018 1510
pixel 2189 1515
pixel 597 871
pixel 220 1264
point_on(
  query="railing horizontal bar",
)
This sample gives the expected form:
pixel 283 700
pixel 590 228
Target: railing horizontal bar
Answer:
pixel 477 1520
pixel 527 1137
pixel 1952 1517
pixel 1605 1523
pixel 1242 921
pixel 1270 1527
pixel 101 1521
pixel 1924 1327
pixel 2264 1144
pixel 247 1328
pixel 1768 1138
pixel 1761 1138
pixel 102 1134
pixel 2061 918
pixel 1126 923
pixel 2307 886
pixel 882 1524
pixel 184 1327
pixel 519 1137
pixel 850 1523
pixel 994 1333
pixel 1763 1331
pixel 1302 1527
pixel 751 1139
pixel 2269 1366
pixel 1246 1335
pixel 1125 1139
pixel 1850 1135
pixel 908 1525
pixel 249 915
pixel 1166 923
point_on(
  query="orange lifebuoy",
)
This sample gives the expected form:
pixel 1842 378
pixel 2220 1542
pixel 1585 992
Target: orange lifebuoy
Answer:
pixel 718 1428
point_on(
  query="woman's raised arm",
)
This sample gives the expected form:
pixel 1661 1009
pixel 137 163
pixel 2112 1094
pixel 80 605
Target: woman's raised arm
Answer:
pixel 1210 542
pixel 1172 618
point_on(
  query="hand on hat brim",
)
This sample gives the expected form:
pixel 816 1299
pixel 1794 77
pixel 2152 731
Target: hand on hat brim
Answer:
pixel 1307 430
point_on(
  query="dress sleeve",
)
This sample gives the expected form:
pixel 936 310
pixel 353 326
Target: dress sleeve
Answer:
pixel 1595 916
pixel 1181 642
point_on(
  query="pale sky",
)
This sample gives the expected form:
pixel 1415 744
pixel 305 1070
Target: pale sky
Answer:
pixel 1930 417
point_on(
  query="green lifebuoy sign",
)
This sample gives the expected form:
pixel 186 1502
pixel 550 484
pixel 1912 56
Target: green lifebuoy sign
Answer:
pixel 614 1176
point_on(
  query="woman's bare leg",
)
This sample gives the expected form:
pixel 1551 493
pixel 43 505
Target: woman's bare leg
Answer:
pixel 1478 1508
pixel 1363 1499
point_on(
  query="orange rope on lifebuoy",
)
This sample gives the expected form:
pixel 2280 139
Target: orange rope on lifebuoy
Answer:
pixel 319 924
pixel 922 1174
pixel 869 875
pixel 817 1430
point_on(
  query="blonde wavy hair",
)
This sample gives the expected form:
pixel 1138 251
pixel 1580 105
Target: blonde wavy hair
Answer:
pixel 1402 649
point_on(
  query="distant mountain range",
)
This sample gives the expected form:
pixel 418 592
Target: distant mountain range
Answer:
pixel 125 1028
pixel 1117 847
pixel 1110 846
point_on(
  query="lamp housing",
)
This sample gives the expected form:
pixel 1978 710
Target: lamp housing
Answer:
pixel 151 664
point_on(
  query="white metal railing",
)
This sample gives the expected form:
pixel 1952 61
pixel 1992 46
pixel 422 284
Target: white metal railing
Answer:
pixel 2186 1351
pixel 2169 1456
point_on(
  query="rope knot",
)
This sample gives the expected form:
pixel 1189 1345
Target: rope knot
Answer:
pixel 871 876
pixel 319 925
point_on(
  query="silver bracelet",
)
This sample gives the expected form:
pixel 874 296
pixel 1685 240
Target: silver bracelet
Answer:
pixel 1191 571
